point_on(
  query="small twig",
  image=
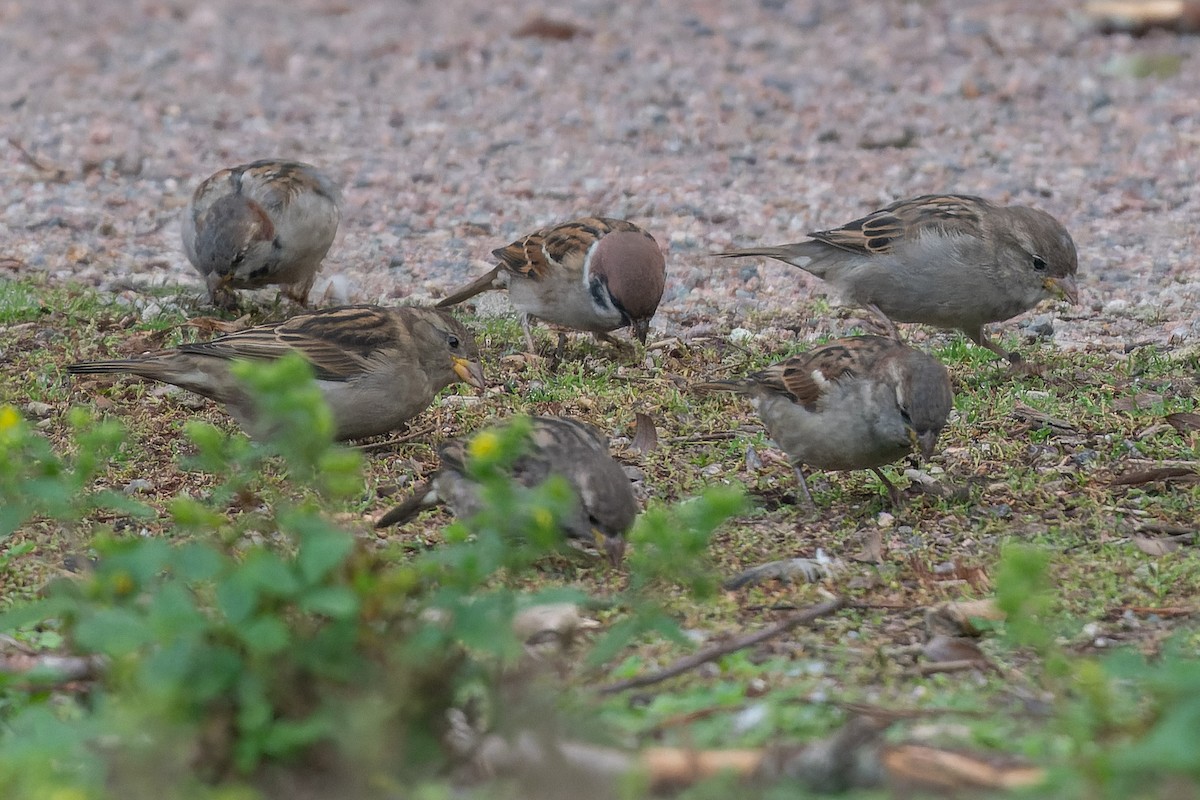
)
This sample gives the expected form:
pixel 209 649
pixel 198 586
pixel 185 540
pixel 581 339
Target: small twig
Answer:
pixel 58 173
pixel 720 436
pixel 958 665
pixel 688 663
pixel 67 668
pixel 162 222
pixel 1174 531
pixel 408 437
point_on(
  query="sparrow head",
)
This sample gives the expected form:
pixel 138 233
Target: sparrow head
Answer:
pixel 1044 251
pixel 631 265
pixel 612 545
pixel 232 236
pixel 447 347
pixel 924 397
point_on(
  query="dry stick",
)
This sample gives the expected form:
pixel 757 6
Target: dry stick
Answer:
pixel 716 651
pixel 408 437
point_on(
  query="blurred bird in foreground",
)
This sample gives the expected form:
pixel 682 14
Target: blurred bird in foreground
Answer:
pixel 604 507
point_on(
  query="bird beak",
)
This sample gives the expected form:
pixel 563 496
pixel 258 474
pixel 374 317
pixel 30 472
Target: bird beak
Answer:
pixel 469 371
pixel 1063 288
pixel 927 441
pixel 641 329
pixel 611 546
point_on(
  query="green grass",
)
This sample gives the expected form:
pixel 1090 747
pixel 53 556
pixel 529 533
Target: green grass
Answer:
pixel 1024 482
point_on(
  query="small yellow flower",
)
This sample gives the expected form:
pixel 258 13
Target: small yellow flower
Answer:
pixel 543 518
pixel 9 418
pixel 485 446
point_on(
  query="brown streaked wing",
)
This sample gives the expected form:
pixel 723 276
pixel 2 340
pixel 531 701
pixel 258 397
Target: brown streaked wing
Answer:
pixel 808 376
pixel 524 256
pixel 337 342
pixel 880 231
pixel 560 244
pixel 281 182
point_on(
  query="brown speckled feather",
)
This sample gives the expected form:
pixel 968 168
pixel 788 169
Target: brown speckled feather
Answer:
pixel 338 342
pixel 807 377
pixel 532 255
pixel 881 230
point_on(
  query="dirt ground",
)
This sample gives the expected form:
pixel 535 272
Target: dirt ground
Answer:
pixel 454 126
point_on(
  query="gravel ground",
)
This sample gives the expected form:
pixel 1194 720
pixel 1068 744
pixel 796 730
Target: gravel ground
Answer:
pixel 710 123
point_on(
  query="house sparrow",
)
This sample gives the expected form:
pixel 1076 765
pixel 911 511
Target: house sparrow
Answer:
pixel 854 403
pixel 953 261
pixel 574 450
pixel 376 367
pixel 593 274
pixel 261 223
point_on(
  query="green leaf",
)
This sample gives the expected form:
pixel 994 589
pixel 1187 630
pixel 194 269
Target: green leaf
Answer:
pixel 264 635
pixel 197 562
pixel 337 602
pixel 323 547
pixel 236 599
pixel 268 573
pixel 113 631
pixel 190 513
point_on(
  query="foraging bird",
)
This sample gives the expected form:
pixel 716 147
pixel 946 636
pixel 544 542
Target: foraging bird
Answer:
pixel 269 222
pixel 853 403
pixel 593 274
pixel 953 261
pixel 605 506
pixel 375 367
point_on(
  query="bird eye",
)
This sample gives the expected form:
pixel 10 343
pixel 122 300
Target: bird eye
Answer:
pixel 1039 263
pixel 453 340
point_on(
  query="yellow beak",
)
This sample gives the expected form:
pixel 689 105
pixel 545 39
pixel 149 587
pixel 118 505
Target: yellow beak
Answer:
pixel 469 371
pixel 1063 288
pixel 612 546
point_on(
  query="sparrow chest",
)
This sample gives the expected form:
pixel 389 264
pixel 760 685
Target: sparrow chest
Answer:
pixel 951 282
pixel 377 402
pixel 856 426
pixel 572 298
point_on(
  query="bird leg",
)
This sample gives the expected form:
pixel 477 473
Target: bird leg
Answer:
pixel 894 495
pixel 808 499
pixel 1017 365
pixel 881 322
pixel 623 347
pixel 527 328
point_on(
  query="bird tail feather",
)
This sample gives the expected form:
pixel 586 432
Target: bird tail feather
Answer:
pixel 481 284
pixel 424 497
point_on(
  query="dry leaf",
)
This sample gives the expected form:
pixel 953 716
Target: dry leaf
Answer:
pixel 1184 421
pixel 957 618
pixel 1138 402
pixel 1141 16
pixel 928 768
pixel 543 28
pixel 646 437
pixel 1155 547
pixel 872 547
pixel 1141 477
pixel 214 325
pixel 1027 414
pixel 953 648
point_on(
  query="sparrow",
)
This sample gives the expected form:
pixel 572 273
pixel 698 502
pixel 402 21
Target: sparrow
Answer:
pixel 953 261
pixel 578 452
pixel 376 367
pixel 269 222
pixel 593 274
pixel 853 403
